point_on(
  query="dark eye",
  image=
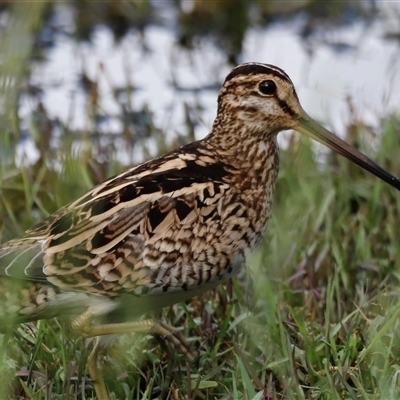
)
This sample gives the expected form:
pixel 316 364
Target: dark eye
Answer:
pixel 267 87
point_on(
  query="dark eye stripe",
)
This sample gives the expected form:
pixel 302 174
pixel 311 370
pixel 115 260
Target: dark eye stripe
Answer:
pixel 282 103
pixel 285 107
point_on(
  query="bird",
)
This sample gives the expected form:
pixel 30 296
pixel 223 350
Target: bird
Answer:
pixel 168 229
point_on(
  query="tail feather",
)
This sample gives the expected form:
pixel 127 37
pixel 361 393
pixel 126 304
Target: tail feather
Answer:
pixel 22 260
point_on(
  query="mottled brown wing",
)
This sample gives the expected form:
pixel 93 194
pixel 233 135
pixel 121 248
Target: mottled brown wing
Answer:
pixel 119 236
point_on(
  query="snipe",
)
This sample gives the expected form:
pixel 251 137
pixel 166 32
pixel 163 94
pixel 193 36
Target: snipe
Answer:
pixel 165 230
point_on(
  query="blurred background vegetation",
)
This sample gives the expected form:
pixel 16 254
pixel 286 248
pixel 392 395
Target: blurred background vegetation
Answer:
pixel 319 318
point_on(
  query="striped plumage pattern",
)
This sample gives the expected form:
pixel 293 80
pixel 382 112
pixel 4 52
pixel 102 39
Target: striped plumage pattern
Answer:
pixel 165 230
pixel 172 225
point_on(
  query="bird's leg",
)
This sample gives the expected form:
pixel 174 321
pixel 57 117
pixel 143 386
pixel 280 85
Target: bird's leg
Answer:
pixel 96 373
pixel 84 326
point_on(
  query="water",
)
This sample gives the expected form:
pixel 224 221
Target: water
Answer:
pixel 353 62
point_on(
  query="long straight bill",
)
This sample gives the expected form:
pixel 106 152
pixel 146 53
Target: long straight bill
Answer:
pixel 306 125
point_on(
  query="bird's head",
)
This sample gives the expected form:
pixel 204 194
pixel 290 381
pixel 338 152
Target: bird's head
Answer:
pixel 262 96
pixel 260 100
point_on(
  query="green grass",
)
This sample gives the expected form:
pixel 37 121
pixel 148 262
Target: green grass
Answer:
pixel 318 320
